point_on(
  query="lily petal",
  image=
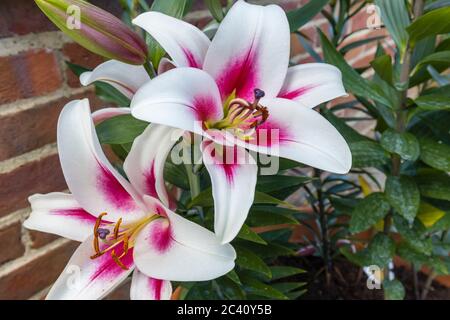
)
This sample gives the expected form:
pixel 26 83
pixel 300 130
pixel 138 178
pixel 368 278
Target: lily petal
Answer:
pixel 312 84
pixel 90 279
pixel 108 113
pixel 146 288
pixel 174 248
pixel 301 134
pixel 179 98
pixel 250 50
pixel 144 165
pixel 60 214
pixel 233 173
pixel 124 77
pixel 185 44
pixel 93 181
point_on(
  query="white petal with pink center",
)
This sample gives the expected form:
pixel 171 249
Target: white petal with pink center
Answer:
pixel 250 50
pixel 180 98
pixel 312 84
pixel 93 181
pixel 180 250
pixel 233 173
pixel 60 214
pixel 147 288
pixel 88 279
pixel 184 43
pixel 144 164
pixel 124 77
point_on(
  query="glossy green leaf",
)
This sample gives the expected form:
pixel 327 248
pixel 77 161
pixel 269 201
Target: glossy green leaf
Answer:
pixel 248 234
pixel 269 184
pixel 404 144
pixel 368 212
pixel 258 288
pixel 353 81
pixel 403 195
pixel 413 234
pixel 215 7
pixel 433 102
pixel 120 130
pixel 432 23
pixel 435 154
pixel 279 272
pixel 299 17
pixel 248 260
pixel 394 15
pixel 379 252
pixel 383 67
pixel 393 290
pixel 367 154
pixel 442 58
pixel 434 184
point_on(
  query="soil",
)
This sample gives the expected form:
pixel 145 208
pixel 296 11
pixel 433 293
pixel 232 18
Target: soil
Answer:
pixel 348 282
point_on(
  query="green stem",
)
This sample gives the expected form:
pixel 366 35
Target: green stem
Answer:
pixel 194 181
pixel 148 66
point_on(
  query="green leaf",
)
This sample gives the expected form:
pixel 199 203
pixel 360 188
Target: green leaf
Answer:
pixel 286 287
pixel 248 234
pixel 120 130
pixel 433 102
pixel 367 154
pixel 246 259
pixel 353 81
pixel 256 287
pixel 279 272
pixel 234 276
pixel 435 154
pixel 269 184
pixel 379 252
pixel 404 144
pixel 299 17
pixel 215 7
pixel 393 290
pixel 432 23
pixel 176 175
pixel 358 43
pixel 413 235
pixel 435 185
pixel 230 289
pixel 368 212
pixel 395 17
pixel 403 195
pixel 442 57
pixel 261 218
pixel 383 67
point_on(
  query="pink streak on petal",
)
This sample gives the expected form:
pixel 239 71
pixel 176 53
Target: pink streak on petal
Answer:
pixel 114 191
pixel 75 213
pixel 192 61
pixel 150 181
pixel 156 286
pixel 205 108
pixel 240 74
pixel 107 268
pixel 297 93
pixel 226 162
pixel 271 133
pixel 161 235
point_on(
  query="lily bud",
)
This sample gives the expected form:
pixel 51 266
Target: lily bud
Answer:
pixel 96 30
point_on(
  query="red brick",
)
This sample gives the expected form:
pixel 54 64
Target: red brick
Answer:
pixel 29 74
pixel 11 245
pixel 40 176
pixel 33 128
pixel 40 239
pixel 20 17
pixel 36 275
pixel 76 54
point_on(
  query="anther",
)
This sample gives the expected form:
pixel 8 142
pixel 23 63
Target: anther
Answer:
pixel 102 233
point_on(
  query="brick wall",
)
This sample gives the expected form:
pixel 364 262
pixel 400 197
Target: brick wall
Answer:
pixel 34 85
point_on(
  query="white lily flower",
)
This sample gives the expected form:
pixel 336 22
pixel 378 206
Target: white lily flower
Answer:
pixel 121 224
pixel 240 83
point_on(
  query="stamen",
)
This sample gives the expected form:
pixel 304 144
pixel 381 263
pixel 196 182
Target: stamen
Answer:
pixel 116 228
pixel 102 233
pixel 258 95
pixel 117 260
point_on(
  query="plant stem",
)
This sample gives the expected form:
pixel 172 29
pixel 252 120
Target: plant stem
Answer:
pixel 427 285
pixel 415 282
pixel 194 181
pixel 401 113
pixel 323 219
